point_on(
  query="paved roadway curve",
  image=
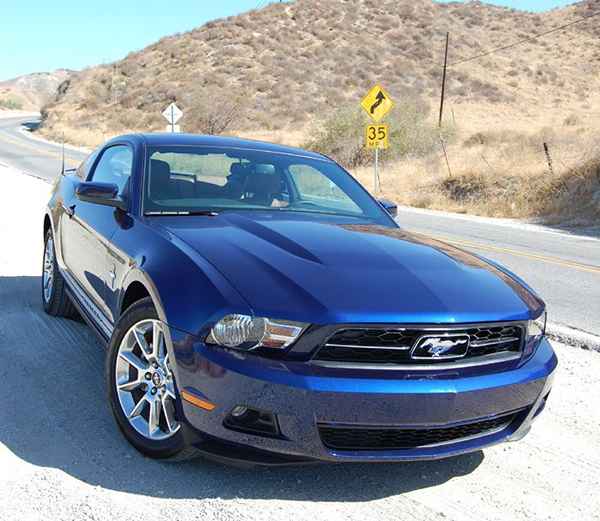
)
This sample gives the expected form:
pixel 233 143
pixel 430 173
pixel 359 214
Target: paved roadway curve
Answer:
pixel 564 268
pixel 32 156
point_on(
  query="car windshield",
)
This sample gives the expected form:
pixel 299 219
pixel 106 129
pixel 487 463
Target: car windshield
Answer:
pixel 185 179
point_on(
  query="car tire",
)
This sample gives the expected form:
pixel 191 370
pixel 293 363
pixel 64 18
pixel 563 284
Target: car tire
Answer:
pixel 54 292
pixel 126 366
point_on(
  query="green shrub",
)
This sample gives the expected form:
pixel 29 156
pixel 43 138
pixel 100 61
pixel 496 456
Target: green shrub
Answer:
pixel 342 134
pixel 11 104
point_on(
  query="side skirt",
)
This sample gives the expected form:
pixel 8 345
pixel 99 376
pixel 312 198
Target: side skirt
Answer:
pixel 88 310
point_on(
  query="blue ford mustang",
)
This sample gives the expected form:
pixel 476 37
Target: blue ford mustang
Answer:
pixel 259 305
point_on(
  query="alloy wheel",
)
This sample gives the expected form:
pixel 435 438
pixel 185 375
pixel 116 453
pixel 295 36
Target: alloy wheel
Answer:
pixel 145 382
pixel 48 273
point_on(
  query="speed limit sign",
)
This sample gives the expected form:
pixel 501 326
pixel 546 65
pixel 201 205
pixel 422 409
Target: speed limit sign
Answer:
pixel 376 136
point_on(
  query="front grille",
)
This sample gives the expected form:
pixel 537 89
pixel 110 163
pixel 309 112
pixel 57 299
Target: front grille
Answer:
pixel 394 345
pixel 361 438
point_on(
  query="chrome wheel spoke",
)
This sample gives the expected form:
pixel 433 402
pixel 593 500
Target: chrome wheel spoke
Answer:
pixel 138 408
pixel 154 417
pixel 132 385
pixel 167 412
pixel 133 361
pixel 141 340
pixel 157 341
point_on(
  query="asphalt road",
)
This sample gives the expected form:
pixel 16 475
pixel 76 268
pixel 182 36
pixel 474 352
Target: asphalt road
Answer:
pixel 32 156
pixel 564 268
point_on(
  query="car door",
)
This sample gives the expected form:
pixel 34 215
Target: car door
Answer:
pixel 90 226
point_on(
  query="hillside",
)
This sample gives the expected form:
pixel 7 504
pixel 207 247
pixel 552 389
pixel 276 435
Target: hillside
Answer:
pixel 277 72
pixel 31 91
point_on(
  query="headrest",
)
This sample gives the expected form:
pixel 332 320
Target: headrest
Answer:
pixel 263 168
pixel 237 169
pixel 160 179
pixel 263 184
pixel 159 169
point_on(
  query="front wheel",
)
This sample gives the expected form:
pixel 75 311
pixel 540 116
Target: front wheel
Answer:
pixel 141 384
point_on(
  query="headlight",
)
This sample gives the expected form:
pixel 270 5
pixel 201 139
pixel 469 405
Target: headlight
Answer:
pixel 247 333
pixel 536 329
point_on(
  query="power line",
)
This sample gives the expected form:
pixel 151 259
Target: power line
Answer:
pixel 525 40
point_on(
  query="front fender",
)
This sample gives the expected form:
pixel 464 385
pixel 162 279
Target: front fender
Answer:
pixel 188 292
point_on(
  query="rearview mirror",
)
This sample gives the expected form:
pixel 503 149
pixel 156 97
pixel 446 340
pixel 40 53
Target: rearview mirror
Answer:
pixel 390 207
pixel 106 194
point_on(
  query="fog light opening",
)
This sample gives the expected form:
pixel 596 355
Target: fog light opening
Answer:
pixel 252 421
pixel 239 411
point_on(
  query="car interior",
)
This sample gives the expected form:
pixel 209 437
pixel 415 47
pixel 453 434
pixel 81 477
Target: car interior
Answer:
pixel 255 184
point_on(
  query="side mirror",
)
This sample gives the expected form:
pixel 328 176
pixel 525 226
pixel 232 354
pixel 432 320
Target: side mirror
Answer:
pixel 106 194
pixel 389 206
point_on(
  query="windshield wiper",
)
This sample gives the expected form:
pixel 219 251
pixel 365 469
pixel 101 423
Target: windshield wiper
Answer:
pixel 210 213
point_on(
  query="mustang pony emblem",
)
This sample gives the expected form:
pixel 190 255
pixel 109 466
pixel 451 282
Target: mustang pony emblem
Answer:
pixel 440 347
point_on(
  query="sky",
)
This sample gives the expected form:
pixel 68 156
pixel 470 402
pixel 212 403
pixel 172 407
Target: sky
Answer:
pixel 43 35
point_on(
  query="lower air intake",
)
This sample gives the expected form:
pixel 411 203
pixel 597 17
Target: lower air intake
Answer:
pixel 367 438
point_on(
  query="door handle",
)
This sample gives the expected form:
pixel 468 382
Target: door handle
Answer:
pixel 69 210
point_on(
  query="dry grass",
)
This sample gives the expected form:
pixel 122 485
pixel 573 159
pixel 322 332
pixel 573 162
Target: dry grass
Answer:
pixel 504 173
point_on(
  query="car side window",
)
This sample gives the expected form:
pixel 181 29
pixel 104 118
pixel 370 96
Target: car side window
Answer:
pixel 84 168
pixel 114 166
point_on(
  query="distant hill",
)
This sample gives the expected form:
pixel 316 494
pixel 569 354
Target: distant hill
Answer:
pixel 31 91
pixel 289 62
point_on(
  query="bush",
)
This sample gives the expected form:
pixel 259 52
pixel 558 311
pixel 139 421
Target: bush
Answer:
pixel 341 135
pixel 213 111
pixel 11 104
pixel 466 187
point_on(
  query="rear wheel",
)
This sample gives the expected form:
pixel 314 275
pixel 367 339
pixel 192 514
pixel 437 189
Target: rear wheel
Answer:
pixel 54 295
pixel 141 384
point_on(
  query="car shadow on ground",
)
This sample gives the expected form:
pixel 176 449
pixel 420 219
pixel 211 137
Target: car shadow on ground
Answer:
pixel 57 416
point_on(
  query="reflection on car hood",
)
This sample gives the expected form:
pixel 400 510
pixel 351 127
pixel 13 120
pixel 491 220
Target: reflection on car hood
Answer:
pixel 317 271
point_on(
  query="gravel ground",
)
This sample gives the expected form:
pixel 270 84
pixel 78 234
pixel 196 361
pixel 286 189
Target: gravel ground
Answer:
pixel 62 458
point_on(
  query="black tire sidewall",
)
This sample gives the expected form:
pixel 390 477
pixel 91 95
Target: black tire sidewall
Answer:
pixel 52 306
pixel 141 310
pixel 48 303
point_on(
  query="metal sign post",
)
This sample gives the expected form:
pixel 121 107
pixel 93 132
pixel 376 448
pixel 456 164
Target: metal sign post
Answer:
pixel 376 137
pixel 376 181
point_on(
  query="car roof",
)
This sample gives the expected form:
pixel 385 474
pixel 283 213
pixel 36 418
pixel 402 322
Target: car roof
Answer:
pixel 181 139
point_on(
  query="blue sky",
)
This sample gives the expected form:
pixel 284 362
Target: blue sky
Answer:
pixel 43 35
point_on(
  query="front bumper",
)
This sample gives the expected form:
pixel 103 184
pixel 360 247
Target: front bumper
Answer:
pixel 304 395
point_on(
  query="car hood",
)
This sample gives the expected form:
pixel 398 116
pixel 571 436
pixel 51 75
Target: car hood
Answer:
pixel 326 272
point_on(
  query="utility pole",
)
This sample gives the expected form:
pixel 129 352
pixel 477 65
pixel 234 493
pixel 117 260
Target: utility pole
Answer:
pixel 112 83
pixel 444 80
